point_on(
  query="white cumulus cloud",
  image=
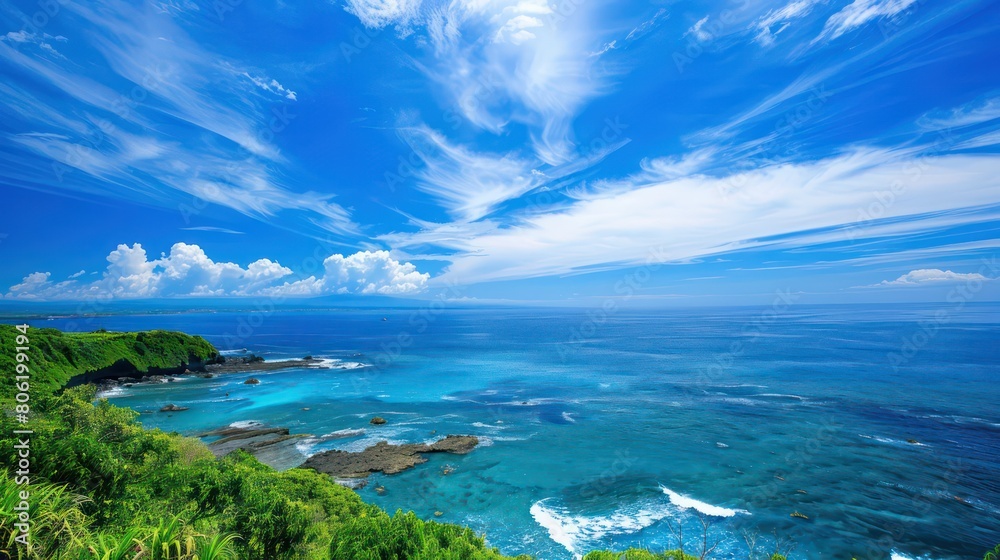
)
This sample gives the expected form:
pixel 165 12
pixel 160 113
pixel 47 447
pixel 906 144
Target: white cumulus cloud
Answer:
pixel 932 276
pixel 188 271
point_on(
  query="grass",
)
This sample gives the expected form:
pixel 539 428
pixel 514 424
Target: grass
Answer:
pixel 55 357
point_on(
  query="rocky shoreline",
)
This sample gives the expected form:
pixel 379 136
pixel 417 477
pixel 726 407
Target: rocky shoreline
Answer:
pixel 244 364
pixel 271 446
pixel 224 365
pixel 277 447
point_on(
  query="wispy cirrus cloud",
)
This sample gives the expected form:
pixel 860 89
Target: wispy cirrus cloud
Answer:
pixel 213 229
pixel 697 215
pixel 775 21
pixel 469 185
pixel 971 114
pixel 533 66
pixel 381 13
pixel 858 13
pixel 115 132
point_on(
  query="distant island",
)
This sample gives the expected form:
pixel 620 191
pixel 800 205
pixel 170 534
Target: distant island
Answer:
pixel 102 486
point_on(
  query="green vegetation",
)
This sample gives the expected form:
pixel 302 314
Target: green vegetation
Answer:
pixel 105 488
pixel 55 357
pixel 375 535
pixel 993 554
pixel 637 554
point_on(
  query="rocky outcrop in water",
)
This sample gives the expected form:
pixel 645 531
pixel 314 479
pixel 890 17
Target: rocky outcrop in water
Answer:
pixel 243 364
pixel 385 457
pixel 277 447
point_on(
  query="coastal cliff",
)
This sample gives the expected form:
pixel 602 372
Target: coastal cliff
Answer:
pixel 64 359
pixel 119 487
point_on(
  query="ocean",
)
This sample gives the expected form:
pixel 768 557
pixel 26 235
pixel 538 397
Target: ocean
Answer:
pixel 880 425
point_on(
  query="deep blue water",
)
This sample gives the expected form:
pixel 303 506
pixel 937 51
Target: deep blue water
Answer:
pixel 607 431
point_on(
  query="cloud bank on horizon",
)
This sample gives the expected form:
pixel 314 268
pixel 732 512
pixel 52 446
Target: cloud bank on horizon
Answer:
pixel 188 272
pixel 516 147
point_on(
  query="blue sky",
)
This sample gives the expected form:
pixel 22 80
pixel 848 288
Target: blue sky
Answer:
pixel 523 150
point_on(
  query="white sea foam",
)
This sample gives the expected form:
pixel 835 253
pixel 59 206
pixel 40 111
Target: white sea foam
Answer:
pixel 386 413
pixel 568 416
pixel 721 385
pixel 331 363
pixel 891 441
pixel 305 446
pixel 246 424
pixel 489 426
pixel 983 505
pixel 894 555
pixel 527 402
pixel 111 393
pixel 779 396
pixel 897 556
pixel 741 401
pixel 487 441
pixel 685 502
pixel 346 433
pixel 574 531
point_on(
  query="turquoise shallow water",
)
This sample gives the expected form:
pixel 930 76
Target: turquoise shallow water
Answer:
pixel 606 431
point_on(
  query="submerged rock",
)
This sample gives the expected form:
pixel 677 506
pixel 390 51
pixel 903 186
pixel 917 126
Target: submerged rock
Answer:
pixel 378 420
pixel 252 381
pixel 173 408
